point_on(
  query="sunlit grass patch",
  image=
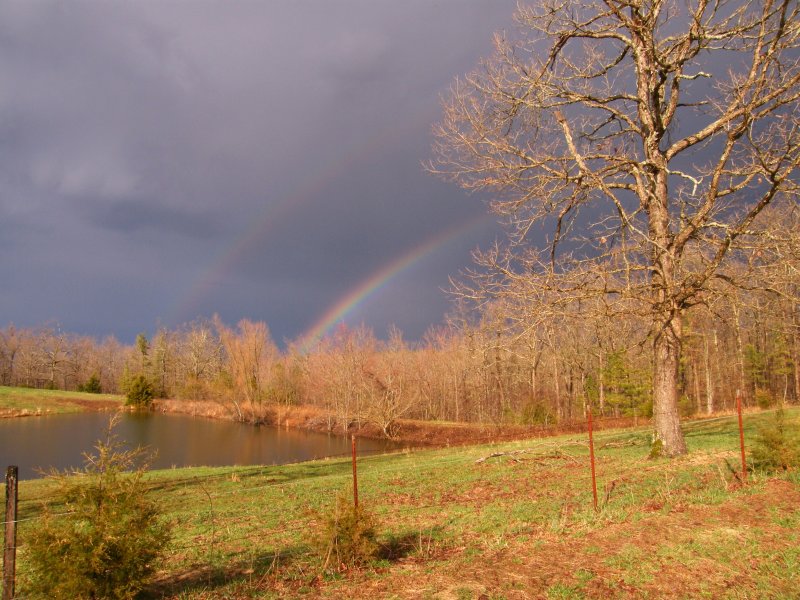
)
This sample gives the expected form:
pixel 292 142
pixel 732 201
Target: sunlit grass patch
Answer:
pixel 28 401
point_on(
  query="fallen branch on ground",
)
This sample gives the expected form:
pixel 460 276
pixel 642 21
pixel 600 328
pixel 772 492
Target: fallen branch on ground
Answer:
pixel 622 444
pixel 556 452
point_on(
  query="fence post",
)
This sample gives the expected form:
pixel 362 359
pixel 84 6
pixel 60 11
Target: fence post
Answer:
pixel 355 473
pixel 741 434
pixel 10 538
pixel 591 457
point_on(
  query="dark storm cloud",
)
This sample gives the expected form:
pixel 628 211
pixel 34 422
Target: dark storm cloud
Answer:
pixel 130 216
pixel 141 142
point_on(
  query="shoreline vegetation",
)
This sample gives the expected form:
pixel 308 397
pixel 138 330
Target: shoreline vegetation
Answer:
pixel 510 519
pixel 410 431
pixel 26 402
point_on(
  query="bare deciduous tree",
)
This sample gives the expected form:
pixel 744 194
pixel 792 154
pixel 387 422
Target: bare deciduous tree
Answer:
pixel 250 354
pixel 638 132
pixel 200 359
pixel 10 344
pixel 390 382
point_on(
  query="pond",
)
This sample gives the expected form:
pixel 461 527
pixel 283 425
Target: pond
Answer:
pixel 60 441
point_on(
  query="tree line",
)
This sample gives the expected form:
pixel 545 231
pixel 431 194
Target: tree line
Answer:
pixel 511 360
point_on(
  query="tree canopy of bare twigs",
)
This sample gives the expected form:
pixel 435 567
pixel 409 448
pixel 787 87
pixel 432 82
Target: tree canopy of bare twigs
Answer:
pixel 646 136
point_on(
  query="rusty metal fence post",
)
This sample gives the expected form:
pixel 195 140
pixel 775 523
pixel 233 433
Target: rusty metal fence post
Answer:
pixel 741 434
pixel 591 457
pixel 10 537
pixel 355 473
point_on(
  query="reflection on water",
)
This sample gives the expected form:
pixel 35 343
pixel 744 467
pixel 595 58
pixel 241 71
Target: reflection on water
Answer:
pixel 61 441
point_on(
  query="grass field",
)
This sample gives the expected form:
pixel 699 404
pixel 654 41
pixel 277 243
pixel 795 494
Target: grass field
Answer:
pixel 15 401
pixel 517 525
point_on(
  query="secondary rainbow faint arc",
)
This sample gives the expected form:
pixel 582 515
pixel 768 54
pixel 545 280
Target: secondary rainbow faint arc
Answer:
pixel 382 276
pixel 268 220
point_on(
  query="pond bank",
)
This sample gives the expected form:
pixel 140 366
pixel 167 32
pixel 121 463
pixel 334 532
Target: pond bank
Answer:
pixel 409 431
pixel 23 402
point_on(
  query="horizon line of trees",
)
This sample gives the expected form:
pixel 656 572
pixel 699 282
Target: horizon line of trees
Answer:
pixel 493 364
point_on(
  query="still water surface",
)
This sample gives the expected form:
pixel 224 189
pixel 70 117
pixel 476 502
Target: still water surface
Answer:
pixel 60 441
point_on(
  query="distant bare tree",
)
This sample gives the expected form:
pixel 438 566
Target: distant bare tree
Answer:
pixel 10 344
pixel 53 355
pixel 163 362
pixel 636 131
pixel 113 357
pixel 250 354
pixel 390 383
pixel 199 357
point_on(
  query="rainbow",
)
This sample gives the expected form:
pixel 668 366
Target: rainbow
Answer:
pixel 314 185
pixel 246 244
pixel 381 277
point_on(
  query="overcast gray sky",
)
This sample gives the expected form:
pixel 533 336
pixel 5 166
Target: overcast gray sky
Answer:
pixel 165 160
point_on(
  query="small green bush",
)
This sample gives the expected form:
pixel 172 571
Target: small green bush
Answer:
pixel 534 413
pixel 764 398
pixel 92 385
pixel 777 445
pixel 105 538
pixel 140 392
pixel 344 535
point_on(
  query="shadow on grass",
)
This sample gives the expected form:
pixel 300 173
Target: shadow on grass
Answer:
pixel 253 574
pixel 399 546
pixel 260 475
pixel 289 566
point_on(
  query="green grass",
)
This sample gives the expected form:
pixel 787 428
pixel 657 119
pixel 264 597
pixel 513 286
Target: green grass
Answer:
pixel 28 401
pixel 513 526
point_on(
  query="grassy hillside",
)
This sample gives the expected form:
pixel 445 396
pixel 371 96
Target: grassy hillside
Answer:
pixel 15 401
pixel 461 523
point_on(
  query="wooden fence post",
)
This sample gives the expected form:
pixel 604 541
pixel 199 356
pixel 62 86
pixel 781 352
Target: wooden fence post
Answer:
pixel 355 473
pixel 10 538
pixel 591 457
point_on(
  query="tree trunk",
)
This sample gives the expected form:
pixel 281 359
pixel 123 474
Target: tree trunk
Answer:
pixel 739 347
pixel 709 377
pixel 601 391
pixel 556 377
pixel 795 327
pixel 666 355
